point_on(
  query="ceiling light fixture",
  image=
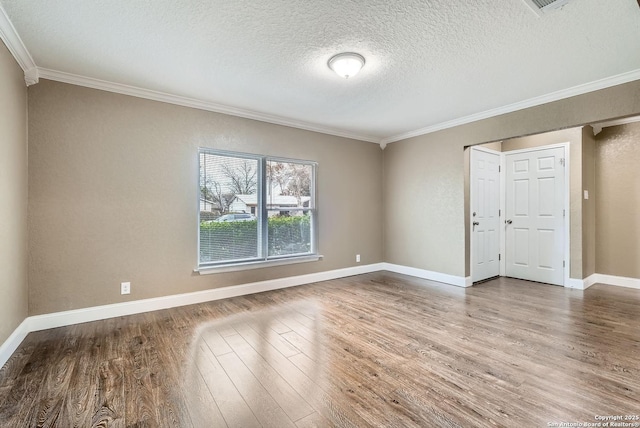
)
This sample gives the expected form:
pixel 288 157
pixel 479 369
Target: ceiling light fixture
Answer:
pixel 346 64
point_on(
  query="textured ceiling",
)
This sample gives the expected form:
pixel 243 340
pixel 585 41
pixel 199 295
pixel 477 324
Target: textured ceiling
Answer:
pixel 428 61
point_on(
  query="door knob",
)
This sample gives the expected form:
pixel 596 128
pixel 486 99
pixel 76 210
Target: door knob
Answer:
pixel 476 223
pixel 509 222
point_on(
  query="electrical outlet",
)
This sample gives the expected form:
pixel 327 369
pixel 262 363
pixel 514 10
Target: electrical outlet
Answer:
pixel 357 258
pixel 125 288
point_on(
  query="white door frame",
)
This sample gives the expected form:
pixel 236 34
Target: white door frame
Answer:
pixel 503 235
pixel 567 205
pixel 470 225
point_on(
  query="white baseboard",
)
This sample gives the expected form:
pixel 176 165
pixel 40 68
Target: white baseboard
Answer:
pixel 95 313
pixel 11 344
pixel 598 278
pixel 590 280
pixel 620 281
pixel 60 319
pixel 459 281
pixel 575 283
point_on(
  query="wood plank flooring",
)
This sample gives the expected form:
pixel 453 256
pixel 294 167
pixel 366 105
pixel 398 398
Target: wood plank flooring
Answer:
pixel 371 350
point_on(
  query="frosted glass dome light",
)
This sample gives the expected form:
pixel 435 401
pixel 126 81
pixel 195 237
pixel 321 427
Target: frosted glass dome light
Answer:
pixel 346 64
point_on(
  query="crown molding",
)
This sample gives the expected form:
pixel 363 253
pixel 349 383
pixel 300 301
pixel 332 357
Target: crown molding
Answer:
pixel 14 43
pixel 531 102
pixel 31 76
pixel 134 91
pixel 598 127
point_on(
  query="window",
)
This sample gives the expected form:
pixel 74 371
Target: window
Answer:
pixel 254 208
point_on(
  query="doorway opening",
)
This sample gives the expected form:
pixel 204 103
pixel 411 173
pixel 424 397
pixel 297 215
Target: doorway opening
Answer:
pixel 518 218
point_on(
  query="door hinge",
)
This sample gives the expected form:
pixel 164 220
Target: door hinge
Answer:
pixel 562 161
pixel 499 257
pixel 563 263
pixel 499 168
pixel 499 213
pixel 564 213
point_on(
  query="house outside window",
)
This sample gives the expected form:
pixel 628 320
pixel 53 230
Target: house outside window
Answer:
pixel 254 209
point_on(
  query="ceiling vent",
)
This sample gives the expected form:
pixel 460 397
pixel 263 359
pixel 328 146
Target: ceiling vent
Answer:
pixel 540 7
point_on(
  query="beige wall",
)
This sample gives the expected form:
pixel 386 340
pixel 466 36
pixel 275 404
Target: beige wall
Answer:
pixel 13 195
pixel 588 205
pixel 573 136
pixel 618 201
pixel 113 195
pixel 113 184
pixel 424 223
pixel 496 145
pixel 424 203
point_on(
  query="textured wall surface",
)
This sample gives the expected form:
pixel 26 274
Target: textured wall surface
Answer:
pixel 426 175
pixel 113 195
pixel 13 195
pixel 618 201
pixel 589 242
pixel 423 201
pixel 113 181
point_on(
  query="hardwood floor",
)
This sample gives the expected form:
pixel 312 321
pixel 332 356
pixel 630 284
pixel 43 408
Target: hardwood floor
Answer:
pixel 371 350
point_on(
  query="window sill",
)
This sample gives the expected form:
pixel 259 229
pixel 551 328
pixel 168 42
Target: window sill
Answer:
pixel 257 265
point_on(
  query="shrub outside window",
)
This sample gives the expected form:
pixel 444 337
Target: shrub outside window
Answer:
pixel 254 208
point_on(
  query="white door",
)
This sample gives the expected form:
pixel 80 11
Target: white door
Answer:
pixel 485 220
pixel 534 217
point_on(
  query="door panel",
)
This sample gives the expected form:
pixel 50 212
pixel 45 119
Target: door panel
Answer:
pixel 521 198
pixel 521 247
pixel 546 193
pixel 546 239
pixel 485 219
pixel 535 215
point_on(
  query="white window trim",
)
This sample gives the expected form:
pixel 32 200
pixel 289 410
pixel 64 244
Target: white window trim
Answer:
pixel 265 261
pixel 208 270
